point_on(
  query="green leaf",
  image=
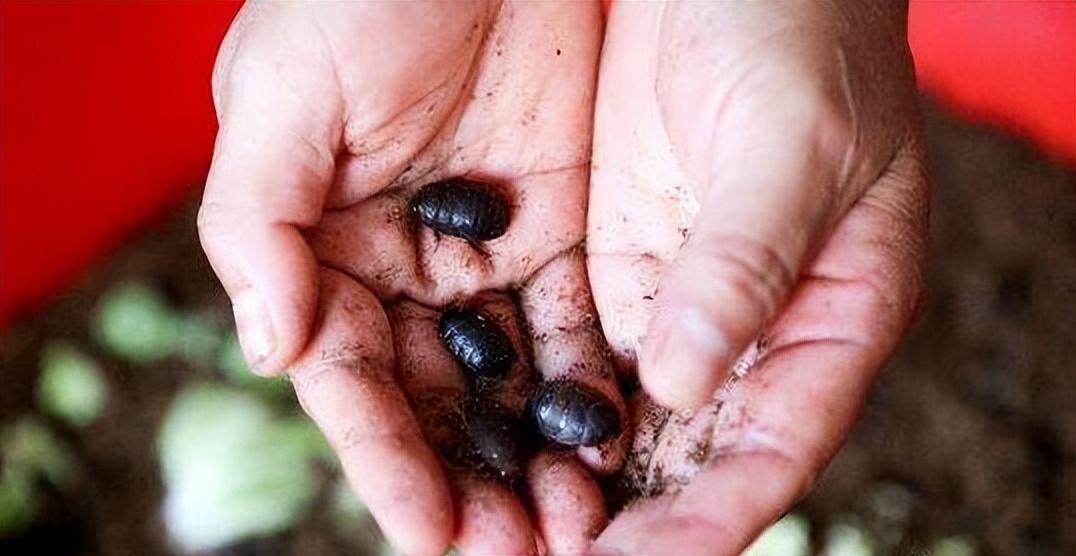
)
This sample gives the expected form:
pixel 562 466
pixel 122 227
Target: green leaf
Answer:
pixel 790 536
pixel 70 386
pixel 197 339
pixel 849 539
pixel 953 546
pixel 17 505
pixel 346 508
pixel 30 448
pixel 30 453
pixel 136 323
pixel 232 470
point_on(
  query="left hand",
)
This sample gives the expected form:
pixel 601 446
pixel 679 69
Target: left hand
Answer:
pixel 332 116
pixel 758 174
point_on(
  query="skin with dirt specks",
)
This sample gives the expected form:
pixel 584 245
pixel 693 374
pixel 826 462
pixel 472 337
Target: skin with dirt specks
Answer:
pixel 497 437
pixel 459 207
pixel 477 343
pixel 574 414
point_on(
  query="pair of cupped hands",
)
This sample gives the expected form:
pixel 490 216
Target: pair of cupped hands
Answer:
pixel 696 189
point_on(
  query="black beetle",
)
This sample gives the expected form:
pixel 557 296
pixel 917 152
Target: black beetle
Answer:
pixel 464 208
pixel 497 437
pixel 575 414
pixel 480 346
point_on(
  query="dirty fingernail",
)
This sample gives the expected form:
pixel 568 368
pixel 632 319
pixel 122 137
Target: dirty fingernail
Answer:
pixel 255 329
pixel 688 363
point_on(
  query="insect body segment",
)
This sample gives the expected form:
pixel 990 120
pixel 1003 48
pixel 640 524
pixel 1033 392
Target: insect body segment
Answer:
pixel 477 343
pixel 463 208
pixel 574 414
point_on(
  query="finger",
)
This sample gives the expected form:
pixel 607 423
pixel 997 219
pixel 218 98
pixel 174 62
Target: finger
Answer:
pixel 568 344
pixel 268 179
pixel 344 381
pixel 761 178
pixel 781 423
pixel 761 215
pixel 512 390
pixel 637 214
pixel 429 378
pixel 566 502
pixel 437 385
pixel 491 519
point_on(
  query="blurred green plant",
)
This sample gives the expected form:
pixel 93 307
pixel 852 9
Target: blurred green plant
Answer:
pixel 849 538
pixel 70 386
pixel 198 339
pixel 789 536
pixel 135 322
pixel 17 505
pixel 30 454
pixel 345 508
pixel 953 546
pixel 232 469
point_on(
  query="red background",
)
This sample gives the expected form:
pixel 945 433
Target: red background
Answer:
pixel 106 117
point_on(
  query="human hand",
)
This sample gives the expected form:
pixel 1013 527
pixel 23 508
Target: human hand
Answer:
pixel 332 115
pixel 758 195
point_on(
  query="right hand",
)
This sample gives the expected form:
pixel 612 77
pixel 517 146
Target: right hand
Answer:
pixel 760 194
pixel 331 116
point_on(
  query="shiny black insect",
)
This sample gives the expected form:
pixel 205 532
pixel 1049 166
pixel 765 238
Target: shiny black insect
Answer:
pixel 480 346
pixel 464 208
pixel 497 436
pixel 572 413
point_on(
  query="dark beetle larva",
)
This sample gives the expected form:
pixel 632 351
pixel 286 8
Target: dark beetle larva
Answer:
pixel 572 413
pixel 460 207
pixel 480 346
pixel 496 436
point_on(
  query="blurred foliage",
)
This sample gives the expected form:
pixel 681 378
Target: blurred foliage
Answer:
pixel 31 454
pixel 16 504
pixel 70 385
pixel 953 546
pixel 232 469
pixel 849 539
pixel 197 340
pixel 345 508
pixel 790 536
pixel 136 323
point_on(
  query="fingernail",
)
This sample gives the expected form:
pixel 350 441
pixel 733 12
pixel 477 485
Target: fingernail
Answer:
pixel 254 327
pixel 688 361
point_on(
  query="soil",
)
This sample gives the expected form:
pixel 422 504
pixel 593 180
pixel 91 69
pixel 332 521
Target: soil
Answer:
pixel 971 429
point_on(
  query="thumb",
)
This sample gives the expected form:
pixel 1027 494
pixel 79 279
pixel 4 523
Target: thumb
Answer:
pixel 766 205
pixel 272 168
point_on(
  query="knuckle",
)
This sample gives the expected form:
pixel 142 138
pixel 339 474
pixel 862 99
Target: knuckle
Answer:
pixel 309 379
pixel 831 123
pixel 208 219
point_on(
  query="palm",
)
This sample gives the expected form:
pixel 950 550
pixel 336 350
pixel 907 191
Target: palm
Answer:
pixel 393 97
